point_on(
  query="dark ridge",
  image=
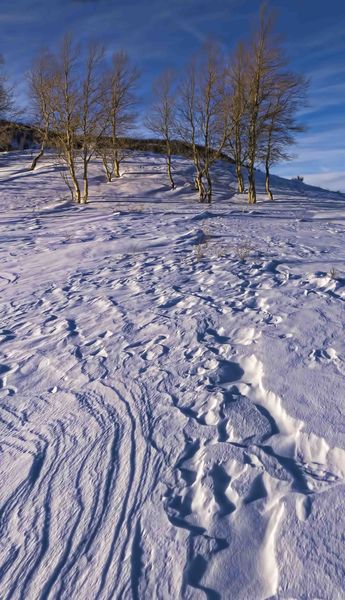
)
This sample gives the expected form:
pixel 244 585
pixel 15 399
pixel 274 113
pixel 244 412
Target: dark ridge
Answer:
pixel 20 136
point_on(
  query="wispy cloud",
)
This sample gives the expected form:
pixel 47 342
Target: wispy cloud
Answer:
pixel 321 41
pixel 13 18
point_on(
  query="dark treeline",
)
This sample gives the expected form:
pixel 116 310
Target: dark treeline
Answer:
pixel 243 106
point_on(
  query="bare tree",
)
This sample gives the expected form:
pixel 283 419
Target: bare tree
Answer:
pixel 213 120
pixel 203 124
pixel 92 118
pixel 119 100
pixel 265 61
pixel 235 101
pixel 67 91
pixel 65 103
pixel 162 119
pixel 6 106
pixel 287 96
pixel 188 125
pixel 41 81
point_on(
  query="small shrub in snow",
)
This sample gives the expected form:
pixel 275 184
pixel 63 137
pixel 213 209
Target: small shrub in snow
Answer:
pixel 332 273
pixel 199 252
pixel 202 243
pixel 243 251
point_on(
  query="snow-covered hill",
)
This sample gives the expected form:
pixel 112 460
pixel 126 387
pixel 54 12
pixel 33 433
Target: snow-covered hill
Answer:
pixel 172 397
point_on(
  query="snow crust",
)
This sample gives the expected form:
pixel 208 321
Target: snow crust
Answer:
pixel 172 388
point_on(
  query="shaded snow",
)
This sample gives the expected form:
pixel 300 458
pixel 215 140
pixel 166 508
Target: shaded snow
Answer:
pixel 172 396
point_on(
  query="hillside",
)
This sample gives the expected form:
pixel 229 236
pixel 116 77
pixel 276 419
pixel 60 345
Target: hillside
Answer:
pixel 172 387
pixel 28 137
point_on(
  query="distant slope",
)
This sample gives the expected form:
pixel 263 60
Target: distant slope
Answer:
pixel 24 137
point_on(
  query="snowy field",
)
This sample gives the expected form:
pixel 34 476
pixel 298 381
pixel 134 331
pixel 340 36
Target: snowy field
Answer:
pixel 172 389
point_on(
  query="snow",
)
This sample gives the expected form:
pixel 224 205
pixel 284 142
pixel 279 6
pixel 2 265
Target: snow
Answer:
pixel 172 388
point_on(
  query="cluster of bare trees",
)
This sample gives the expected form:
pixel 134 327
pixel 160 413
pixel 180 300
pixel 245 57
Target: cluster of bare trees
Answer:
pixel 244 107
pixel 192 110
pixel 83 107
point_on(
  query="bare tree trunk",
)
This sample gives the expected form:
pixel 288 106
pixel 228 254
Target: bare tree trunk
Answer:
pixel 37 158
pixel 70 160
pixel 85 183
pixel 85 190
pixel 238 157
pixel 251 186
pixel 77 193
pixel 171 179
pixel 43 143
pixel 108 172
pixel 172 183
pixel 74 186
pixel 240 182
pixel 202 192
pixel 268 189
pixel 85 195
pixel 199 184
pixel 251 163
pixel 209 188
pixel 116 166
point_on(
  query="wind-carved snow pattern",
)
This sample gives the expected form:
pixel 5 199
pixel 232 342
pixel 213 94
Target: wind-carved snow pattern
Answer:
pixel 242 457
pixel 164 430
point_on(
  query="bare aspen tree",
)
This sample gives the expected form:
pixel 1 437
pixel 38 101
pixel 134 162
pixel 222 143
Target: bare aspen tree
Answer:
pixel 6 94
pixel 162 119
pixel 213 121
pixel 119 101
pixel 6 106
pixel 65 107
pixel 265 61
pixel 203 124
pixel 41 80
pixel 235 101
pixel 287 96
pixel 67 92
pixel 188 124
pixel 92 117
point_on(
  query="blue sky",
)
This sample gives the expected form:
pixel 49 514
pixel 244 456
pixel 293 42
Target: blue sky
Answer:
pixel 159 33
